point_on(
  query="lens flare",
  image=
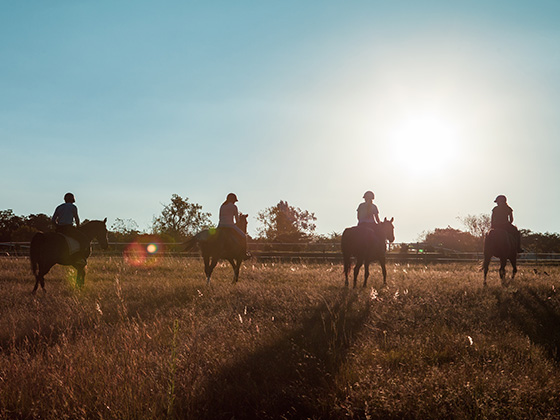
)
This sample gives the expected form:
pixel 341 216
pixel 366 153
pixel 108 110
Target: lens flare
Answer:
pixel 144 252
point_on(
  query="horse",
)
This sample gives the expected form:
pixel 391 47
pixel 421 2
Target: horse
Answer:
pixel 503 245
pixel 220 243
pixel 367 245
pixel 50 248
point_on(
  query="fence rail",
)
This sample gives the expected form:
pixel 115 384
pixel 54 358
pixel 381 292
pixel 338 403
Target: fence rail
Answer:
pixel 318 252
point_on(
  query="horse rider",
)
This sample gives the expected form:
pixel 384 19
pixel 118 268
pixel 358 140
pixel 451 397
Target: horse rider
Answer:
pixel 368 214
pixel 502 218
pixel 64 217
pixel 229 215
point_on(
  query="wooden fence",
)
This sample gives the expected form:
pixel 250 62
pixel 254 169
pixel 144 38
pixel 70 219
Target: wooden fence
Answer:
pixel 294 252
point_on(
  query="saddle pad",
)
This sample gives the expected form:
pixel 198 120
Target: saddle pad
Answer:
pixel 73 245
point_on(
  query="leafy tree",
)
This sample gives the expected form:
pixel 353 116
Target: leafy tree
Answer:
pixel 453 239
pixel 40 222
pixel 123 230
pixel 540 242
pixel 24 233
pixel 9 223
pixel 477 226
pixel 285 223
pixel 181 219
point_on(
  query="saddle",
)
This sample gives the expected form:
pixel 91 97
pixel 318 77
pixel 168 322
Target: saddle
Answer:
pixel 73 244
pixel 513 238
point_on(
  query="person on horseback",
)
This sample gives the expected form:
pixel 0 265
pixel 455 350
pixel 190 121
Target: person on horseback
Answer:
pixel 502 218
pixel 368 214
pixel 229 215
pixel 63 218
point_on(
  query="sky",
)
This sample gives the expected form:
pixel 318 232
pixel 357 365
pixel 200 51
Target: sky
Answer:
pixel 435 106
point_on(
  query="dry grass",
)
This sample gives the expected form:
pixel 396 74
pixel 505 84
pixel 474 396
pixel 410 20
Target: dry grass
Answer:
pixel 288 341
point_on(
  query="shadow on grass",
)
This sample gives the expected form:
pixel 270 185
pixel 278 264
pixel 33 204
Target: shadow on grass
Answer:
pixel 537 315
pixel 292 378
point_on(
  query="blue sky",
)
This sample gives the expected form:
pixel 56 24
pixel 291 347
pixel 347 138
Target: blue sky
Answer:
pixel 436 106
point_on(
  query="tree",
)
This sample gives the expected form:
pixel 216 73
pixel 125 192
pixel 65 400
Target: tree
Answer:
pixel 9 223
pixel 181 219
pixel 285 223
pixel 540 242
pixel 454 239
pixel 123 230
pixel 477 226
pixel 40 222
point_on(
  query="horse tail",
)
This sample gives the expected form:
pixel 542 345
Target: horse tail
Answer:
pixel 345 248
pixel 35 251
pixel 190 244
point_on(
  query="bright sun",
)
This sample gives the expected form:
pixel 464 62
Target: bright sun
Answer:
pixel 424 144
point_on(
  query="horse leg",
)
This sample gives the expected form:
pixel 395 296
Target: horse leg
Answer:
pixel 347 265
pixel 513 261
pixel 206 267
pixel 236 271
pixel 485 266
pixel 81 276
pixel 235 264
pixel 80 267
pixel 359 263
pixel 383 270
pixel 236 268
pixel 40 277
pixel 209 268
pixel 503 262
pixel 366 272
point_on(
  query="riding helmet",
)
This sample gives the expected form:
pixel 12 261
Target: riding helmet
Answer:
pixel 369 195
pixel 232 197
pixel 500 198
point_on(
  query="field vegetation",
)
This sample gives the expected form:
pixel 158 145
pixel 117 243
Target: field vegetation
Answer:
pixel 288 341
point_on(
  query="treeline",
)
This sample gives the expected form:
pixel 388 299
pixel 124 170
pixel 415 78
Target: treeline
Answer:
pixel 471 239
pixel 282 223
pixel 178 220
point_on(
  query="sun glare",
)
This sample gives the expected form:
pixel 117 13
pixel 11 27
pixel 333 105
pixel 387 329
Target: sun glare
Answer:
pixel 424 144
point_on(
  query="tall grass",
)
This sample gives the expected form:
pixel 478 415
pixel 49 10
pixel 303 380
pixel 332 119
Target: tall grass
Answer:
pixel 287 341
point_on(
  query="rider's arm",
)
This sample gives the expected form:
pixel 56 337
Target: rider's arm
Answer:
pixel 76 218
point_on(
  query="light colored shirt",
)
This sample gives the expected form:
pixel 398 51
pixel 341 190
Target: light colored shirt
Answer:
pixel 366 212
pixel 228 215
pixel 65 214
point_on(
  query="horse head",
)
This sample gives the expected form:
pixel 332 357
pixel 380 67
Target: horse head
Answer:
pixel 242 222
pixel 97 229
pixel 389 229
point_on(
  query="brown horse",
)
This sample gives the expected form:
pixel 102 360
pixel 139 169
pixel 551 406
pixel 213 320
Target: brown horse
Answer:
pixel 501 244
pixel 221 243
pixel 48 249
pixel 366 245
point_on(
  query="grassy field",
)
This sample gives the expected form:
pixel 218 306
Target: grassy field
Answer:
pixel 287 341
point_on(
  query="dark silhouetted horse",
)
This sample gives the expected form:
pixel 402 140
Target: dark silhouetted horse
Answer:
pixel 221 243
pixel 366 245
pixel 48 249
pixel 503 245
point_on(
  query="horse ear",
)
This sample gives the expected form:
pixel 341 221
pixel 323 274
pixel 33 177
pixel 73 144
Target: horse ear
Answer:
pixel 385 220
pixel 392 218
pixel 105 220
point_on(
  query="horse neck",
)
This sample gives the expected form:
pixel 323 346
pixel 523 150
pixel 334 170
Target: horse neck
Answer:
pixel 242 224
pixel 384 229
pixel 89 229
pixel 381 229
